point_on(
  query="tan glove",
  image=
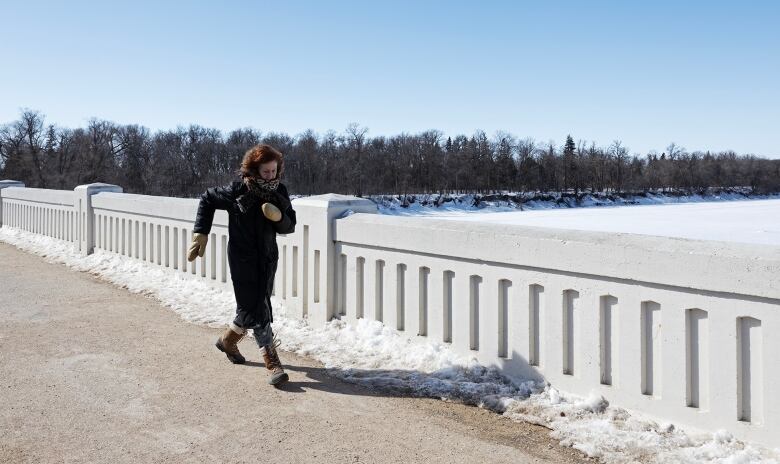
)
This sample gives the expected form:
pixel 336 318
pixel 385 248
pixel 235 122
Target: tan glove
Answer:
pixel 272 212
pixel 198 247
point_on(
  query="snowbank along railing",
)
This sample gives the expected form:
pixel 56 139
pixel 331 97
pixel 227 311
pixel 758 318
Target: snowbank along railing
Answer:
pixel 682 330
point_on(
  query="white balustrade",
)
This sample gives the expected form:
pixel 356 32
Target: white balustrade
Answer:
pixel 678 329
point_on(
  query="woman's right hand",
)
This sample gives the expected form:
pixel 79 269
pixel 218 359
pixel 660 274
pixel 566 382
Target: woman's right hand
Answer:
pixel 282 202
pixel 198 246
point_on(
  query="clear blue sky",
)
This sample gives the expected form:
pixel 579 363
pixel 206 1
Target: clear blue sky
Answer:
pixel 703 74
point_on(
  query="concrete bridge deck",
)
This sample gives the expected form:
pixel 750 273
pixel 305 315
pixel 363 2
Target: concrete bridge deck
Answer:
pixel 92 373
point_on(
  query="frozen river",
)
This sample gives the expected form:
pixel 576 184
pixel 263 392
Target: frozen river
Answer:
pixel 754 221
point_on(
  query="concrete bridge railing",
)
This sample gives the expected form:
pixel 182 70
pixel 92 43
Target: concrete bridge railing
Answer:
pixel 678 329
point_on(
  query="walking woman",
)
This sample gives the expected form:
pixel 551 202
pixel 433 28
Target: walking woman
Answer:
pixel 258 208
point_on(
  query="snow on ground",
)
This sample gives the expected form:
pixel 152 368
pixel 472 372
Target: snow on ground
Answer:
pixel 754 221
pixel 375 356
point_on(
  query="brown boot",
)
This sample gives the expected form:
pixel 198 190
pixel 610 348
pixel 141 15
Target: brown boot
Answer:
pixel 228 344
pixel 274 365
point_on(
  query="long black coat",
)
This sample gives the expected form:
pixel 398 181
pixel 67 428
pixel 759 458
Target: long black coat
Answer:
pixel 252 250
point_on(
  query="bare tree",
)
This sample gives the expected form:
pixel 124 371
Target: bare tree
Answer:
pixel 619 153
pixel 506 170
pixel 356 137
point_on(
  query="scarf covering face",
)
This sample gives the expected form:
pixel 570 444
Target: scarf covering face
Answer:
pixel 260 191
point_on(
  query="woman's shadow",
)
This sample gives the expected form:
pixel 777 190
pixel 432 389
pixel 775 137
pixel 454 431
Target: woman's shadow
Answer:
pixel 321 380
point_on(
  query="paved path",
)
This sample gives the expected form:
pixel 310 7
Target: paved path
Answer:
pixel 92 373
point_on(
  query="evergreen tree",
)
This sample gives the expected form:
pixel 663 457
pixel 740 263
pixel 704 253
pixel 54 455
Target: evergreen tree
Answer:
pixel 569 165
pixel 568 147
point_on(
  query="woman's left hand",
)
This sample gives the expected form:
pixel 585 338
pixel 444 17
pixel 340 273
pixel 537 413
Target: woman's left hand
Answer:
pixel 271 212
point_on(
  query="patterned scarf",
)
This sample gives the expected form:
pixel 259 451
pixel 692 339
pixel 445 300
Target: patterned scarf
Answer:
pixel 260 190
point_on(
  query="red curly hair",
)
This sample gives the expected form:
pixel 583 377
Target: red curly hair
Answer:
pixel 261 154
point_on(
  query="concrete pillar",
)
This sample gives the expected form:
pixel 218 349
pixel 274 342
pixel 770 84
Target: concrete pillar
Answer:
pixel 6 184
pixel 85 218
pixel 317 253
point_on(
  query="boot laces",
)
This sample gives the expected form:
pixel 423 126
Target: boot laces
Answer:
pixel 272 361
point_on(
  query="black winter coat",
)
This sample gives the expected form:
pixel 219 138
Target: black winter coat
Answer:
pixel 252 250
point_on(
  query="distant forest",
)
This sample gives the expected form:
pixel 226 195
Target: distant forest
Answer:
pixel 183 162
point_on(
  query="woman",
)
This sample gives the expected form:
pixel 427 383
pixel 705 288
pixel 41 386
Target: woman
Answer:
pixel 258 208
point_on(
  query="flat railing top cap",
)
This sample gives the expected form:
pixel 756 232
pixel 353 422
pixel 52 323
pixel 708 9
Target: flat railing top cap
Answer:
pixel 11 183
pixel 99 186
pixel 333 199
pixel 38 195
pixel 173 208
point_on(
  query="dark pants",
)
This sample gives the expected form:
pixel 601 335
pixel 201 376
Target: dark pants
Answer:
pixel 264 336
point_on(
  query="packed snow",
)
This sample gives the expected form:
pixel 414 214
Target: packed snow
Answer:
pixel 378 357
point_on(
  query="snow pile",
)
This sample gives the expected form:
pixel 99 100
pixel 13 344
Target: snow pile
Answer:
pixel 616 436
pixel 195 301
pixel 376 356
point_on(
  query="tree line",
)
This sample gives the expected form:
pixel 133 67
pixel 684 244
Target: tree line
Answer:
pixel 183 162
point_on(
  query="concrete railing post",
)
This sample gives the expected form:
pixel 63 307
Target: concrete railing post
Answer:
pixel 6 184
pixel 85 218
pixel 317 256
